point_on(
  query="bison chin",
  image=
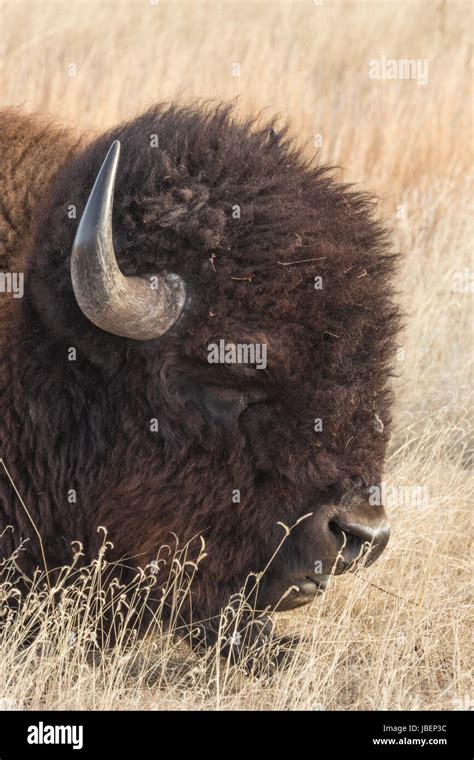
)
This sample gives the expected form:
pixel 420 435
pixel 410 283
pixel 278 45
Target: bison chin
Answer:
pixel 283 594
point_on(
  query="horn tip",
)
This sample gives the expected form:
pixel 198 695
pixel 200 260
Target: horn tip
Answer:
pixel 114 150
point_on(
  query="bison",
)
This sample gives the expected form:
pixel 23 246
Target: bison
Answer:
pixel 182 234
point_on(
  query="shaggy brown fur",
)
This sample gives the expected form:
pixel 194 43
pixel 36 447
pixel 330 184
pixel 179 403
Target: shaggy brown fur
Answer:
pixel 85 424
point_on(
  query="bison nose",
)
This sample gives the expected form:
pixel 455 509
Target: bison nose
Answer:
pixel 359 540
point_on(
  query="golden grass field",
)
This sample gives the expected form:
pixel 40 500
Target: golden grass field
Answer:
pixel 404 642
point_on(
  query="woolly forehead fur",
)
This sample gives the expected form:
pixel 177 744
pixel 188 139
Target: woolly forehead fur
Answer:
pixel 183 172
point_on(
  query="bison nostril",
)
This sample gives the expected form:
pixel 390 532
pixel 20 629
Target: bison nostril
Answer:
pixel 350 545
pixel 334 528
pixel 356 539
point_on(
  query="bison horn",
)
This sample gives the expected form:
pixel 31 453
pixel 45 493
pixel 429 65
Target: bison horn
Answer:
pixel 141 308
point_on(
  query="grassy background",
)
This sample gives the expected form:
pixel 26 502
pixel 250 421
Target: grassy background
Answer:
pixel 367 648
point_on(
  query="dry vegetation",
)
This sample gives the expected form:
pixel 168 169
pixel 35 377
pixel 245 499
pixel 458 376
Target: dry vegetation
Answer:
pixel 406 646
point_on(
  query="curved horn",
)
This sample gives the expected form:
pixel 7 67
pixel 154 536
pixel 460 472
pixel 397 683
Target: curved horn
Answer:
pixel 132 307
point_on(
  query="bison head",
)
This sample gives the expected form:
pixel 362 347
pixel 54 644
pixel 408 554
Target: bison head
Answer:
pixel 234 324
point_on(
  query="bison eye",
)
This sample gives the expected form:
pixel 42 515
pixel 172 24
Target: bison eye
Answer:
pixel 223 404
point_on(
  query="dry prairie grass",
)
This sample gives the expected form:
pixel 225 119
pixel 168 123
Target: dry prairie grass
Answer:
pixel 367 649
